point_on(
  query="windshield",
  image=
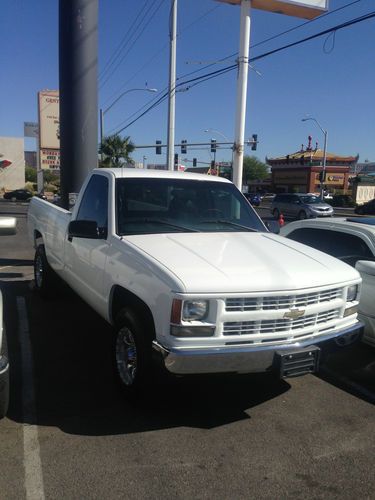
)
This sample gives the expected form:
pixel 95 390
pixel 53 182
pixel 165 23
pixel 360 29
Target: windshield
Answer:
pixel 310 199
pixel 149 206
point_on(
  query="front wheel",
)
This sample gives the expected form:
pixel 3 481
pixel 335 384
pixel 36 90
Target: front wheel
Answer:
pixel 302 215
pixel 45 278
pixel 132 353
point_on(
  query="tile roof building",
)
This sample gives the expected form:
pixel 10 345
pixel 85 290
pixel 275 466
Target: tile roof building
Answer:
pixel 299 171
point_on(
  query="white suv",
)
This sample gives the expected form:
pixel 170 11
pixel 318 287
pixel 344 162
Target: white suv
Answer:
pixel 351 240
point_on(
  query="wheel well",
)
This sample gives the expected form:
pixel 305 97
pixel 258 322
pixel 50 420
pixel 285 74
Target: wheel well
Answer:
pixel 123 298
pixel 38 238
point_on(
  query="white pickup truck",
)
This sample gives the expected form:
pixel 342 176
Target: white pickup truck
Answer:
pixel 186 272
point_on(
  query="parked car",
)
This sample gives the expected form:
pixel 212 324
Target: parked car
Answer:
pixel 342 200
pixel 351 240
pixel 366 209
pixel 253 198
pixel 7 226
pixel 300 206
pixel 18 195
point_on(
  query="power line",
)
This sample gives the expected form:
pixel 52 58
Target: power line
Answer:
pixel 134 42
pixel 214 74
pixel 122 44
pixel 205 14
pixel 275 36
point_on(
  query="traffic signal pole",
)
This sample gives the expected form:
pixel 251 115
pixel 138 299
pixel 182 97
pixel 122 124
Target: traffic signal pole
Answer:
pixel 243 67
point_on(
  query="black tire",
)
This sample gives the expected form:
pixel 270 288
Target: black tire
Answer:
pixel 132 353
pixel 46 281
pixel 4 381
pixel 359 211
pixel 302 215
pixel 276 213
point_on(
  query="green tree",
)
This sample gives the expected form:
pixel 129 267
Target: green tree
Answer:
pixel 254 169
pixel 30 174
pixel 115 151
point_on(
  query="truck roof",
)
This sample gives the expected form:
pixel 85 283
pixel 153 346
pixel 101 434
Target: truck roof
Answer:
pixel 159 174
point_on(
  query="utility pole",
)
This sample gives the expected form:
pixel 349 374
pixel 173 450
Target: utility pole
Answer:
pixel 78 57
pixel 243 66
pixel 172 85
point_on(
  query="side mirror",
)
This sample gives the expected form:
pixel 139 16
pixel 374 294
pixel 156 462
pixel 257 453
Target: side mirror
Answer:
pixel 86 229
pixel 273 226
pixel 8 226
pixel 366 267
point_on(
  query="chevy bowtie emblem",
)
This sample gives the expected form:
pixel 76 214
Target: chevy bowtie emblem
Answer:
pixel 294 313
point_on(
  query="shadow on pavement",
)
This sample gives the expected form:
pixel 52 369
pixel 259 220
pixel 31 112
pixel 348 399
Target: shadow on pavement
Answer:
pixel 76 389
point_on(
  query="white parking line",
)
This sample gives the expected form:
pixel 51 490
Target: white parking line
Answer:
pixel 32 463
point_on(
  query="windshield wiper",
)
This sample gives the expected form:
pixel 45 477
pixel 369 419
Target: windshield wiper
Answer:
pixel 234 224
pixel 149 220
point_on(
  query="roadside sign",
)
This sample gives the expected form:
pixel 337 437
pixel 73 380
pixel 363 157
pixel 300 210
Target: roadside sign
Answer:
pixel 31 129
pixel 307 9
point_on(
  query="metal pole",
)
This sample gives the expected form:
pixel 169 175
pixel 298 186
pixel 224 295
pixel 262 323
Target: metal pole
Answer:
pixel 78 57
pixel 324 164
pixel 243 67
pixel 172 86
pixel 101 116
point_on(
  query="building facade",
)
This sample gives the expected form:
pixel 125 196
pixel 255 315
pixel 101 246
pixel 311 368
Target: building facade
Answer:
pixel 13 176
pixel 299 171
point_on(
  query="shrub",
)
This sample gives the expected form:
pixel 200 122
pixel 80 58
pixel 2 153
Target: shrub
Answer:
pixel 342 200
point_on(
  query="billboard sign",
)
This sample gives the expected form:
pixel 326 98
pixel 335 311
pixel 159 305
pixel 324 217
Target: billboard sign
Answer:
pixel 49 158
pixel 31 129
pixel 307 9
pixel 49 119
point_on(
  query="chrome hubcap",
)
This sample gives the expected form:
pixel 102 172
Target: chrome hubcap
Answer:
pixel 126 356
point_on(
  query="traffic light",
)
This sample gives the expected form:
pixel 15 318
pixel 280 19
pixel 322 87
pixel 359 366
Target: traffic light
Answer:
pixel 254 142
pixel 183 147
pixel 213 145
pixel 158 148
pixel 194 162
pixel 175 160
pixel 322 176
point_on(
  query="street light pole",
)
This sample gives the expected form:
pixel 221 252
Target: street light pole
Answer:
pixel 325 133
pixel 103 112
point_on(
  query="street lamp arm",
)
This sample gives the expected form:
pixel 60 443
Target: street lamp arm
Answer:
pixel 217 132
pixel 316 121
pixel 124 93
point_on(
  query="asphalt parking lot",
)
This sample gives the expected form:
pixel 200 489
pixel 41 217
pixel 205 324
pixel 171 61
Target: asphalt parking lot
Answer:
pixel 70 434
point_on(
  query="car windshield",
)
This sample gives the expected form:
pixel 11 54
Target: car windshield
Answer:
pixel 310 199
pixel 169 205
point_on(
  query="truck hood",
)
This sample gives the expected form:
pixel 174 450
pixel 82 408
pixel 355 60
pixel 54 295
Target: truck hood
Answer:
pixel 241 262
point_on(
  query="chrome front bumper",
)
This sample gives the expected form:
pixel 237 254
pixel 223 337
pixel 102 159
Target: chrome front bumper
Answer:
pixel 248 359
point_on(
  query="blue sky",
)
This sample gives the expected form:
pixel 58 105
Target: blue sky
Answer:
pixel 330 78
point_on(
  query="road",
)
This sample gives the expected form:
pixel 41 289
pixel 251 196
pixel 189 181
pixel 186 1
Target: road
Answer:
pixel 70 434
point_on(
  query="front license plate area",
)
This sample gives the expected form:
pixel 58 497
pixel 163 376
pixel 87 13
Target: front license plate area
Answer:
pixel 294 363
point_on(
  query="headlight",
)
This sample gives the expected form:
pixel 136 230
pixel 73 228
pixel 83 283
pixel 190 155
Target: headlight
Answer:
pixel 193 310
pixel 188 310
pixel 352 293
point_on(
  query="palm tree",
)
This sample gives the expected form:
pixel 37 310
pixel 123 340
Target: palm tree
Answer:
pixel 115 151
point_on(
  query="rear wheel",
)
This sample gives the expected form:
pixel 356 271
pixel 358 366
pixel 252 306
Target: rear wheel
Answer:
pixel 4 381
pixel 132 352
pixel 45 278
pixel 276 213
